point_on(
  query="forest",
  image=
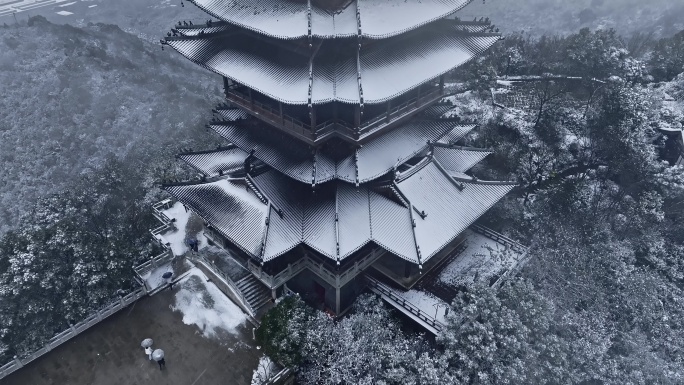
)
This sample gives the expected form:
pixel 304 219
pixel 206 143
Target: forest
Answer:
pixel 601 300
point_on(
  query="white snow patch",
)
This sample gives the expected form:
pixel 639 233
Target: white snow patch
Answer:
pixel 154 279
pixel 64 13
pixel 204 305
pixel 426 302
pixel 67 4
pixel 202 241
pixel 265 371
pixel 91 6
pixel 177 238
pixel 483 257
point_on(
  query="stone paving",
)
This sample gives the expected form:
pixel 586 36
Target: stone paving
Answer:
pixel 110 352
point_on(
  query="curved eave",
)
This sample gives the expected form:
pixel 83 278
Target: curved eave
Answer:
pixel 253 71
pixel 214 162
pixel 451 203
pixel 458 159
pixel 375 159
pixel 235 212
pixel 453 7
pixel 210 7
pixel 288 20
pixel 387 70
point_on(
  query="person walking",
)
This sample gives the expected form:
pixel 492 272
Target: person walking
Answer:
pixel 162 363
pixel 148 351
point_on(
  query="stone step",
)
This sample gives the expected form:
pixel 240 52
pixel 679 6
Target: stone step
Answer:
pixel 254 292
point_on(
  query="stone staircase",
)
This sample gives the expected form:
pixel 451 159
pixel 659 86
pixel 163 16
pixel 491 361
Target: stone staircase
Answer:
pixel 255 292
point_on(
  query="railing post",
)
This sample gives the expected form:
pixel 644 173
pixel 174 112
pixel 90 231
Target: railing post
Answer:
pixel 18 361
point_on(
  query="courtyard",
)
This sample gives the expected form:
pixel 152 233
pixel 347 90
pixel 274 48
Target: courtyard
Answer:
pixel 206 339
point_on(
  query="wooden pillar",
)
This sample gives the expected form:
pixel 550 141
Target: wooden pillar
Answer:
pixel 273 294
pixel 225 86
pixel 337 300
pixel 282 117
pixel 441 83
pixel 357 116
pixel 312 114
pixel 389 107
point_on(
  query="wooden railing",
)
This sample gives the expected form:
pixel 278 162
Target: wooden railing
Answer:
pixel 158 210
pixel 283 377
pixel 270 115
pixel 390 295
pixel 500 238
pixel 318 268
pixel 321 130
pixel 154 262
pixel 71 332
pixel 400 111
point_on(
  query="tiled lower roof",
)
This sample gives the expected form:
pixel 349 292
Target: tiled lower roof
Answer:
pixel 214 162
pixel 337 219
pixel 374 159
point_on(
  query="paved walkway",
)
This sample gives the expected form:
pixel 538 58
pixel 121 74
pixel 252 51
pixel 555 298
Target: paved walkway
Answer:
pixel 110 352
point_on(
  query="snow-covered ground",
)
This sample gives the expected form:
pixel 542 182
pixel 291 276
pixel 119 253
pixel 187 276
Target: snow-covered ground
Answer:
pixel 428 303
pixel 204 305
pixel 177 238
pixel 266 370
pixel 153 278
pixel 483 258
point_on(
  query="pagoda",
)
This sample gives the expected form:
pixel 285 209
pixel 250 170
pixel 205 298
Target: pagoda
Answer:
pixel 339 158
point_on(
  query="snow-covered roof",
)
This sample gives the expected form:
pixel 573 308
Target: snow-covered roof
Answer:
pixel 374 159
pixel 288 19
pixel 449 204
pixel 456 158
pixel 430 210
pixel 214 162
pixel 371 74
pixel 230 206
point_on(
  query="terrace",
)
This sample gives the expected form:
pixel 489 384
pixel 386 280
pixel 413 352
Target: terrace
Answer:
pixel 205 337
pixel 482 257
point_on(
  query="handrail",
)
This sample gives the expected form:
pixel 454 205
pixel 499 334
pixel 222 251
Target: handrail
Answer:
pixel 499 238
pixel 71 332
pixel 423 316
pixel 272 114
pixel 153 262
pixel 418 101
pixel 229 281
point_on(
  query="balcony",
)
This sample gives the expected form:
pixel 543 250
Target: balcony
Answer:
pixel 321 132
pixel 335 279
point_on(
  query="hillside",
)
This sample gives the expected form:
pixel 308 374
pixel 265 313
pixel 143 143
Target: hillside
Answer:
pixel 74 96
pixel 660 17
